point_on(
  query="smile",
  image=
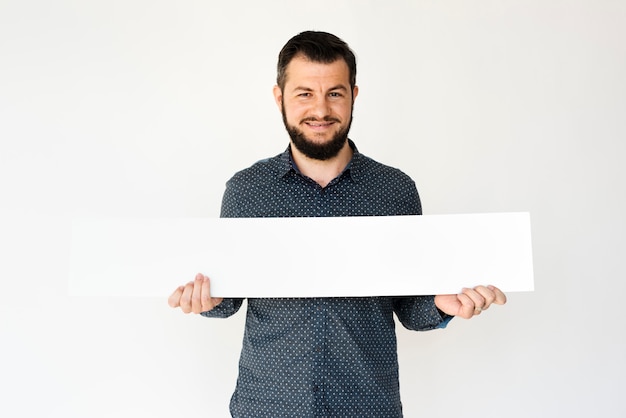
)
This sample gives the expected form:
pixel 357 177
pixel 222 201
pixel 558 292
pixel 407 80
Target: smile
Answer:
pixel 320 124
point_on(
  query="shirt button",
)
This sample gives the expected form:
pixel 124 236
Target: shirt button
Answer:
pixel 316 388
pixel 318 349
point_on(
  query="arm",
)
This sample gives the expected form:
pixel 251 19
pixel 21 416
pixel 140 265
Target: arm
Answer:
pixel 422 313
pixel 419 313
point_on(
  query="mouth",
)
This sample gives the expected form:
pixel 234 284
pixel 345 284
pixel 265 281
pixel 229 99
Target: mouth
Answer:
pixel 316 125
pixel 319 125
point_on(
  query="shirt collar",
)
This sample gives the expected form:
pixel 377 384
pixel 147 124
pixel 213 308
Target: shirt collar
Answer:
pixel 353 169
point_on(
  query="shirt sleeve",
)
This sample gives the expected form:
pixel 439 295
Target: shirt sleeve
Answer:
pixel 419 313
pixel 228 307
pixel 229 207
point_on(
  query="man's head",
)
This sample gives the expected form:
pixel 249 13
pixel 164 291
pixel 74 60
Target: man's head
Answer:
pixel 321 47
pixel 315 91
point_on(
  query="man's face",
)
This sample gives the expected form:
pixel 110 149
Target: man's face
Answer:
pixel 316 104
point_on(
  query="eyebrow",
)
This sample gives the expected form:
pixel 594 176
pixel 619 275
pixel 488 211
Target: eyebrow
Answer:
pixel 337 87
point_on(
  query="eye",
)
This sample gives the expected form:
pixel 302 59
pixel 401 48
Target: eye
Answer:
pixel 304 95
pixel 335 94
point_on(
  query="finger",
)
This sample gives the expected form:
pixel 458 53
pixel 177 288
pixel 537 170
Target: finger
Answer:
pixel 467 306
pixel 185 299
pixel 500 297
pixel 208 302
pixel 488 295
pixel 196 295
pixel 174 299
pixel 477 298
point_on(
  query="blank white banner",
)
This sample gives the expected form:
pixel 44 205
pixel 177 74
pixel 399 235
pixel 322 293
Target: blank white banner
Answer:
pixel 302 257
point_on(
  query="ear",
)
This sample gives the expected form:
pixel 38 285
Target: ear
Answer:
pixel 355 92
pixel 278 97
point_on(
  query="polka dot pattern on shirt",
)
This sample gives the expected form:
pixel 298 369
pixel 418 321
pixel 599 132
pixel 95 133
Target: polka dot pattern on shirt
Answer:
pixel 322 357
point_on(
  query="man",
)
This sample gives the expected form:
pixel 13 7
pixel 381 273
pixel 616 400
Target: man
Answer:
pixel 322 357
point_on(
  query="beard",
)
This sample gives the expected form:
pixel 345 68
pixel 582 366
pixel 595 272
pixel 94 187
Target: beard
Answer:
pixel 317 151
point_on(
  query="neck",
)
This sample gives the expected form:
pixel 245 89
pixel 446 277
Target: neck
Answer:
pixel 322 171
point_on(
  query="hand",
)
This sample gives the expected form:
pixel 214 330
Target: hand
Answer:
pixel 194 297
pixel 470 302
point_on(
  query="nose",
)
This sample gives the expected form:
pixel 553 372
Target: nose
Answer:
pixel 321 107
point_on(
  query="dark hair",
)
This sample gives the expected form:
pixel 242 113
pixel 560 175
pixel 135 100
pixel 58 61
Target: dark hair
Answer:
pixel 320 47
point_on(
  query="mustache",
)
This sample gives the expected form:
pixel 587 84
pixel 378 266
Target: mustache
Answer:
pixel 324 119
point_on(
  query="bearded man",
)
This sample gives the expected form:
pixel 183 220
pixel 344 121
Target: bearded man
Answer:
pixel 322 357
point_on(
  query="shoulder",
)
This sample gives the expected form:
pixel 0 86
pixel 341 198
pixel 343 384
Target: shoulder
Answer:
pixel 388 190
pixel 371 169
pixel 259 172
pixel 252 191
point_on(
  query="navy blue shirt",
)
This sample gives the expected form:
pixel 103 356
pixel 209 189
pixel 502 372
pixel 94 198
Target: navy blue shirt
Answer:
pixel 322 357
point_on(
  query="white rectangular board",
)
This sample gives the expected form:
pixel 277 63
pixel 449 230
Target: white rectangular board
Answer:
pixel 302 257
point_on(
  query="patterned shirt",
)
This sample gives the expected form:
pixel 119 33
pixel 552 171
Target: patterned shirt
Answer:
pixel 322 357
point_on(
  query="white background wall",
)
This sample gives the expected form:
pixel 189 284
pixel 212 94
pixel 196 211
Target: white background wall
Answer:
pixel 145 108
